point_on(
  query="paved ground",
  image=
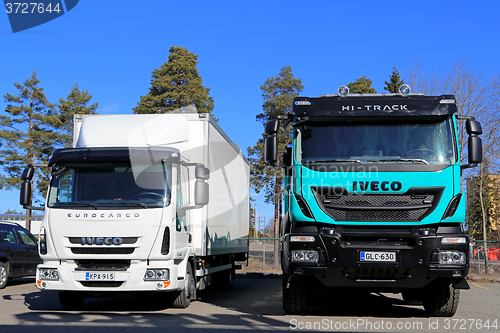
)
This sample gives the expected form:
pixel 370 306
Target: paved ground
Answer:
pixel 253 305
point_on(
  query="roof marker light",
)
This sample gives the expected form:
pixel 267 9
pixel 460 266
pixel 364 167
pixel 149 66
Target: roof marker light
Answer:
pixel 405 90
pixel 343 91
pixel 447 101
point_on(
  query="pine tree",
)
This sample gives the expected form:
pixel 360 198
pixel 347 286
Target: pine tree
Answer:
pixel 251 222
pixel 176 84
pixel 395 81
pixel 278 93
pixel 363 85
pixel 26 135
pixel 75 103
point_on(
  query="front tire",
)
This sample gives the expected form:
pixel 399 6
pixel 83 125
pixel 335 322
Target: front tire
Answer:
pixel 183 299
pixel 413 297
pixel 295 295
pixel 441 299
pixel 71 300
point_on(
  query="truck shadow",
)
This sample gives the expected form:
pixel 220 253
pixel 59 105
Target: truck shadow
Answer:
pixel 260 296
pixel 253 304
pixel 264 297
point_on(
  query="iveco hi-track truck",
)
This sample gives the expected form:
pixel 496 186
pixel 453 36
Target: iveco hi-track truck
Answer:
pixel 373 197
pixel 143 203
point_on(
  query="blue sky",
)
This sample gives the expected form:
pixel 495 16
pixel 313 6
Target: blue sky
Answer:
pixel 111 47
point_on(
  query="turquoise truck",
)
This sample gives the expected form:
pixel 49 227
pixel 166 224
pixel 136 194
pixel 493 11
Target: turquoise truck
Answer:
pixel 373 198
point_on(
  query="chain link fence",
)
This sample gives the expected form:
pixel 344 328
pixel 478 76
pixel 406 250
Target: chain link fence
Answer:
pixel 485 257
pixel 263 256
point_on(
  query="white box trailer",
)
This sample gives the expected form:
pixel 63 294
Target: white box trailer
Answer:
pixel 151 203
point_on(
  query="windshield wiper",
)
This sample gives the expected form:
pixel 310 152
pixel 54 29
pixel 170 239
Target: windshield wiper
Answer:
pixel 76 204
pixel 125 203
pixel 338 161
pixel 412 160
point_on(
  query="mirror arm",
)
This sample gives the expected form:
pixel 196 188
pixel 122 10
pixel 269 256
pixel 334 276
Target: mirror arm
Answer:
pixel 33 208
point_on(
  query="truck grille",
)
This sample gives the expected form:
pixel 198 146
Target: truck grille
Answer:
pixel 103 264
pixel 102 250
pixel 125 240
pixel 411 206
pixel 101 284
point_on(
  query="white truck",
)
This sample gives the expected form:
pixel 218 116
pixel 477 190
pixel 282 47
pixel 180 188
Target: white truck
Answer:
pixel 143 203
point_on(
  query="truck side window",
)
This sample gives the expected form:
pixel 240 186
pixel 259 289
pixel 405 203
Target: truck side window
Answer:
pixel 64 185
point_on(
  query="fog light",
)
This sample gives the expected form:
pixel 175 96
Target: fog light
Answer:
pixel 48 274
pixel 305 256
pixel 157 275
pixel 451 258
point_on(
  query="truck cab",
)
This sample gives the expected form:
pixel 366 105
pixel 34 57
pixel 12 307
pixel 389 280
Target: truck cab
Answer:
pixel 128 209
pixel 373 198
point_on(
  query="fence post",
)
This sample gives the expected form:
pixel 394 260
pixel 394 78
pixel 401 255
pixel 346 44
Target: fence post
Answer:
pixel 485 247
pixel 264 257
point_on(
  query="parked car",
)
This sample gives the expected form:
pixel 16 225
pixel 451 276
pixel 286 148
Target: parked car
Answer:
pixel 18 252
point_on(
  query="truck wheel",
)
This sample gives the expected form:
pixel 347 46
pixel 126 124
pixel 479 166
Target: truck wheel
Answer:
pixel 295 296
pixel 413 297
pixel 226 278
pixel 71 300
pixel 441 300
pixel 4 275
pixel 182 299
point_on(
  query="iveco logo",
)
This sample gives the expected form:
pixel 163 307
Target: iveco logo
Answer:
pixel 102 241
pixel 377 186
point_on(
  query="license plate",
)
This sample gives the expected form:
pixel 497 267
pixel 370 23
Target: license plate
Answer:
pixel 99 276
pixel 377 256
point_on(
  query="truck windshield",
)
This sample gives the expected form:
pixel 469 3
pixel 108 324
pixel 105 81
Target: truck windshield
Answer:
pixel 378 142
pixel 117 185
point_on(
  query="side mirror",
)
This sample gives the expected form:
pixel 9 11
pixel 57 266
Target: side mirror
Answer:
pixel 202 173
pixel 475 149
pixel 271 149
pixel 28 172
pixel 201 193
pixel 25 194
pixel 272 126
pixel 475 146
pixel 473 127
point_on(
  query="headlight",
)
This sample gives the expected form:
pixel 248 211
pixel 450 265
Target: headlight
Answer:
pixel 157 275
pixel 452 258
pixel 305 256
pixel 48 274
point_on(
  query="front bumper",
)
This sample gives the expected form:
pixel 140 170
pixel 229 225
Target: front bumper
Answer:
pixel 340 263
pixel 72 278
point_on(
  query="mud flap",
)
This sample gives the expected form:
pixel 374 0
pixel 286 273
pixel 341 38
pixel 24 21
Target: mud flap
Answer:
pixel 462 284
